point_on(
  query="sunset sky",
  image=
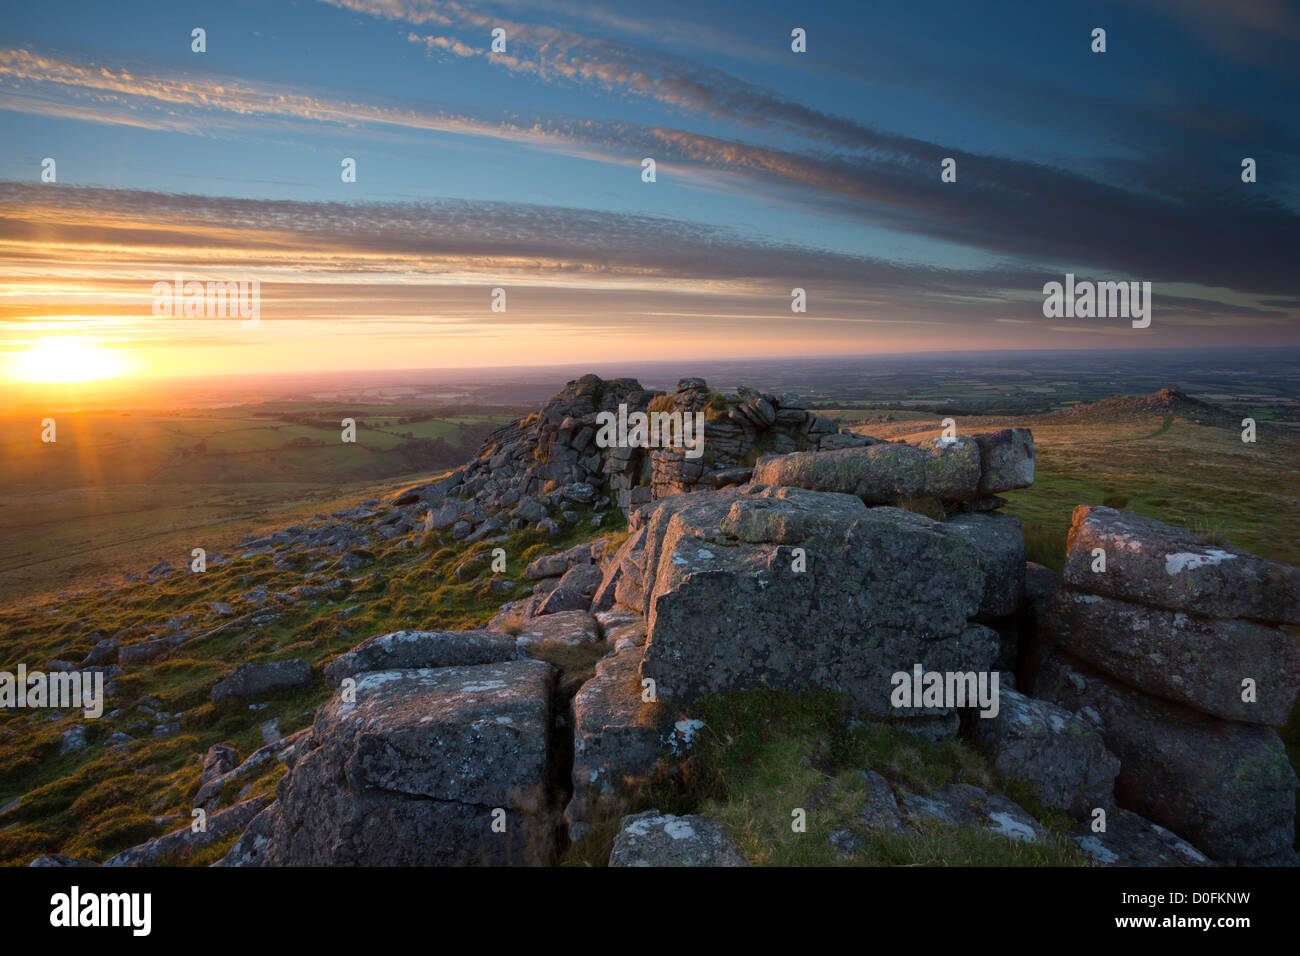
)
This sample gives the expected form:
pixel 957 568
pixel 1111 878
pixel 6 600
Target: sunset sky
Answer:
pixel 523 170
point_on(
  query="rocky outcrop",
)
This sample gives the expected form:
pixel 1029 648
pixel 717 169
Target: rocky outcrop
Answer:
pixel 875 591
pixel 426 766
pixel 778 559
pixel 1171 649
pixel 955 469
pixel 549 468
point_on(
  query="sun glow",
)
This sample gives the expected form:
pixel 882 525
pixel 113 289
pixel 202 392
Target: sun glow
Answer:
pixel 60 359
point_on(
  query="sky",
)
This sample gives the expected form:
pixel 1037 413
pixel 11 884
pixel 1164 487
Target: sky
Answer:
pixel 522 170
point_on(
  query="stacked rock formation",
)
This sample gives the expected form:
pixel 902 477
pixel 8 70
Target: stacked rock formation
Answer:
pixel 800 587
pixel 1172 649
pixel 1158 680
pixel 435 751
pixel 545 469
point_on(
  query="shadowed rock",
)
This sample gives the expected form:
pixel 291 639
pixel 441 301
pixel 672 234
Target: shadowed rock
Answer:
pixel 1000 546
pixel 1196 661
pixel 1129 840
pixel 255 680
pixel 1063 758
pixel 574 591
pixel 1226 787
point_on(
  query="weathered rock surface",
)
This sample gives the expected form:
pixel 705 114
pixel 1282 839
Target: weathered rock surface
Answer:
pixel 884 589
pixel 256 680
pixel 1006 460
pixel 1061 756
pixel 617 736
pixel 1200 662
pixel 563 627
pixel 212 784
pixel 423 649
pixel 412 772
pixel 951 469
pixel 1150 562
pixel 660 839
pixel 960 804
pixel 59 859
pixel 880 813
pixel 1000 546
pixel 1129 840
pixel 1226 787
pixel 144 652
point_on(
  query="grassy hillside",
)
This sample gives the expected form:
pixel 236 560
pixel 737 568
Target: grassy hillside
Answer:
pixel 102 799
pixel 123 490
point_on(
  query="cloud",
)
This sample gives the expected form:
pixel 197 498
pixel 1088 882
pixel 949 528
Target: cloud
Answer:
pixel 329 259
pixel 1155 228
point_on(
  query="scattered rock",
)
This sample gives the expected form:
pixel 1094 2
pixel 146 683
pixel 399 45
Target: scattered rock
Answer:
pixel 1227 787
pixel 959 804
pixel 145 652
pixel 104 652
pixel 255 680
pixel 659 839
pixel 177 846
pixel 74 738
pixel 574 592
pixel 1129 840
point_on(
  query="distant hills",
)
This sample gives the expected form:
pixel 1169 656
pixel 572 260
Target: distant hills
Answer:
pixel 1166 401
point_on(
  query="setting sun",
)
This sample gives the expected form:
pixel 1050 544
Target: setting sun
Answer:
pixel 58 360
